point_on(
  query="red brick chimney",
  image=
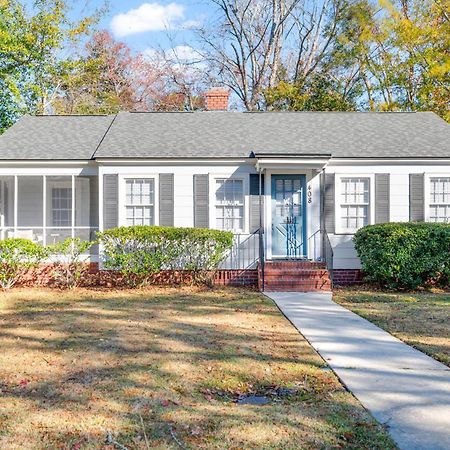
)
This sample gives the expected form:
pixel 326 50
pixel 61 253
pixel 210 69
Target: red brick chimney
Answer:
pixel 217 99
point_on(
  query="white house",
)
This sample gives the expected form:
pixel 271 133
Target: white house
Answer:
pixel 318 177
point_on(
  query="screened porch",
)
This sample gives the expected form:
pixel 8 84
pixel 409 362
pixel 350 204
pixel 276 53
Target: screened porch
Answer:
pixel 48 209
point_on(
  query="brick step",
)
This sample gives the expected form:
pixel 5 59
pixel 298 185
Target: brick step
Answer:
pixel 274 280
pixel 295 264
pixel 297 287
pixel 296 272
pixel 297 276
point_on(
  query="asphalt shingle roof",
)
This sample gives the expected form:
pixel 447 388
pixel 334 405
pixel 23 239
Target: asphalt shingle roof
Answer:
pixel 54 137
pixel 228 134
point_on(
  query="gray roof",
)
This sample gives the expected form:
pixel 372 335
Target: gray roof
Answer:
pixel 228 135
pixel 54 137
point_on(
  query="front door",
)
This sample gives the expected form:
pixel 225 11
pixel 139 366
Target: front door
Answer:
pixel 288 216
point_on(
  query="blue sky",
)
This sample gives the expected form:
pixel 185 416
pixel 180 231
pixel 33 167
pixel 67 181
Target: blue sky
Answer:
pixel 143 24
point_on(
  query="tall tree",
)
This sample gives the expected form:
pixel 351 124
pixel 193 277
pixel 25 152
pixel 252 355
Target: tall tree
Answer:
pixel 399 51
pixel 31 45
pixel 106 78
pixel 254 44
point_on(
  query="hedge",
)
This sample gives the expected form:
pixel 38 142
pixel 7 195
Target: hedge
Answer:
pixel 16 257
pixel 405 255
pixel 140 251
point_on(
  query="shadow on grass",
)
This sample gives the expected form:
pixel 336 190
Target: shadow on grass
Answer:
pixel 77 364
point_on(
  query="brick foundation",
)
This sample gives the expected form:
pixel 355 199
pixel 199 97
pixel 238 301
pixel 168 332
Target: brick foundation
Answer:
pixel 93 277
pixel 346 277
pixel 245 277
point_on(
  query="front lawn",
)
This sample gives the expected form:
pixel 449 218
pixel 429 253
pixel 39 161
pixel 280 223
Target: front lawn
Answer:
pixel 166 369
pixel 420 319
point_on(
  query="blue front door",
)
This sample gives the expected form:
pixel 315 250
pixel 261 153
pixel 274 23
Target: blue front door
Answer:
pixel 288 216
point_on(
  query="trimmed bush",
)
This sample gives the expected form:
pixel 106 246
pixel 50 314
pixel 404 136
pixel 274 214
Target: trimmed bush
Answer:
pixel 16 257
pixel 140 251
pixel 69 261
pixel 405 255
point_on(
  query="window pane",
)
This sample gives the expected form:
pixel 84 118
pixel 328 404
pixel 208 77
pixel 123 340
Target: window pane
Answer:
pixel 30 202
pixel 440 199
pixel 59 201
pixel 6 202
pixel 140 191
pixel 229 204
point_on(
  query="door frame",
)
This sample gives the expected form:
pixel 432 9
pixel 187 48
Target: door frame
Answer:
pixel 303 181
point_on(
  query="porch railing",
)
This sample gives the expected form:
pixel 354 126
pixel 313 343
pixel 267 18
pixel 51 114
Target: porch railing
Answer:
pixel 328 254
pixel 246 252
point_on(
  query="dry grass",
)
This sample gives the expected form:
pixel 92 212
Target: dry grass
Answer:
pixel 419 319
pixel 76 364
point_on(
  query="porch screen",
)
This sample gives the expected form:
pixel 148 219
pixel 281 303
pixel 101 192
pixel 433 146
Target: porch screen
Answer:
pixel 439 199
pixel 6 207
pixel 48 209
pixel 354 203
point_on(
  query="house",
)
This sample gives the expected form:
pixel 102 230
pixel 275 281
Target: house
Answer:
pixel 300 184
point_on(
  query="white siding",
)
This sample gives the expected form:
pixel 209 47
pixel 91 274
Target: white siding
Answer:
pixel 343 248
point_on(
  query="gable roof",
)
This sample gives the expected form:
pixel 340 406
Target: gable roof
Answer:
pixel 54 137
pixel 228 135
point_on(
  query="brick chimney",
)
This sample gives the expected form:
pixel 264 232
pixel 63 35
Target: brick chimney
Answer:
pixel 217 99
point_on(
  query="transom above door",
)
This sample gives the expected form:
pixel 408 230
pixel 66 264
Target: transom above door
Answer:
pixel 288 216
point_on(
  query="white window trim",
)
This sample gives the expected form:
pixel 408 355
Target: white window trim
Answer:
pixel 339 229
pixel 122 195
pixel 212 199
pixel 427 191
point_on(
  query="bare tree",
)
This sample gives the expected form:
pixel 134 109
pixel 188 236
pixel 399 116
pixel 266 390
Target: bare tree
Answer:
pixel 253 44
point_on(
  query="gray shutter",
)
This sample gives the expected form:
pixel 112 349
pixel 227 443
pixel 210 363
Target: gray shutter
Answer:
pixel 201 201
pixel 382 190
pixel 254 201
pixel 93 201
pixel 110 201
pixel 416 197
pixel 328 208
pixel 166 198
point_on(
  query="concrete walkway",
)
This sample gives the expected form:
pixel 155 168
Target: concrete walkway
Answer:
pixel 402 387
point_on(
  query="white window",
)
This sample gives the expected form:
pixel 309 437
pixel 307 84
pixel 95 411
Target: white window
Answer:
pixel 439 199
pixel 61 207
pixel 354 203
pixel 140 201
pixel 229 204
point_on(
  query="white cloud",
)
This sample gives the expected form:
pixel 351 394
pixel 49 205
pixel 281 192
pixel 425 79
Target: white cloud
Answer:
pixel 184 53
pixel 148 17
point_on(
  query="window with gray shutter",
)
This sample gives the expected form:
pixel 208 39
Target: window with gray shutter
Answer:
pixel 166 199
pixel 416 197
pixel 328 208
pixel 255 201
pixel 382 190
pixel 201 201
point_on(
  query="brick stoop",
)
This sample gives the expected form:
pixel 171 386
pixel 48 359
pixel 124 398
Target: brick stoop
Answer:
pixel 296 276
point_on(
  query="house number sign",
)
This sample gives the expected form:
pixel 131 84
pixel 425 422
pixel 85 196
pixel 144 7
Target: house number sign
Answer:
pixel 309 194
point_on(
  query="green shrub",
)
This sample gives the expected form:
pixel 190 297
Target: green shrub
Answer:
pixel 405 255
pixel 69 261
pixel 17 256
pixel 140 251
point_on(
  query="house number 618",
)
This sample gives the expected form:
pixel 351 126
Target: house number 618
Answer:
pixel 309 194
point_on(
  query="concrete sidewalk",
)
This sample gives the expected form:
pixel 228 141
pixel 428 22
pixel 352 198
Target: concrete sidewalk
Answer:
pixel 402 387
